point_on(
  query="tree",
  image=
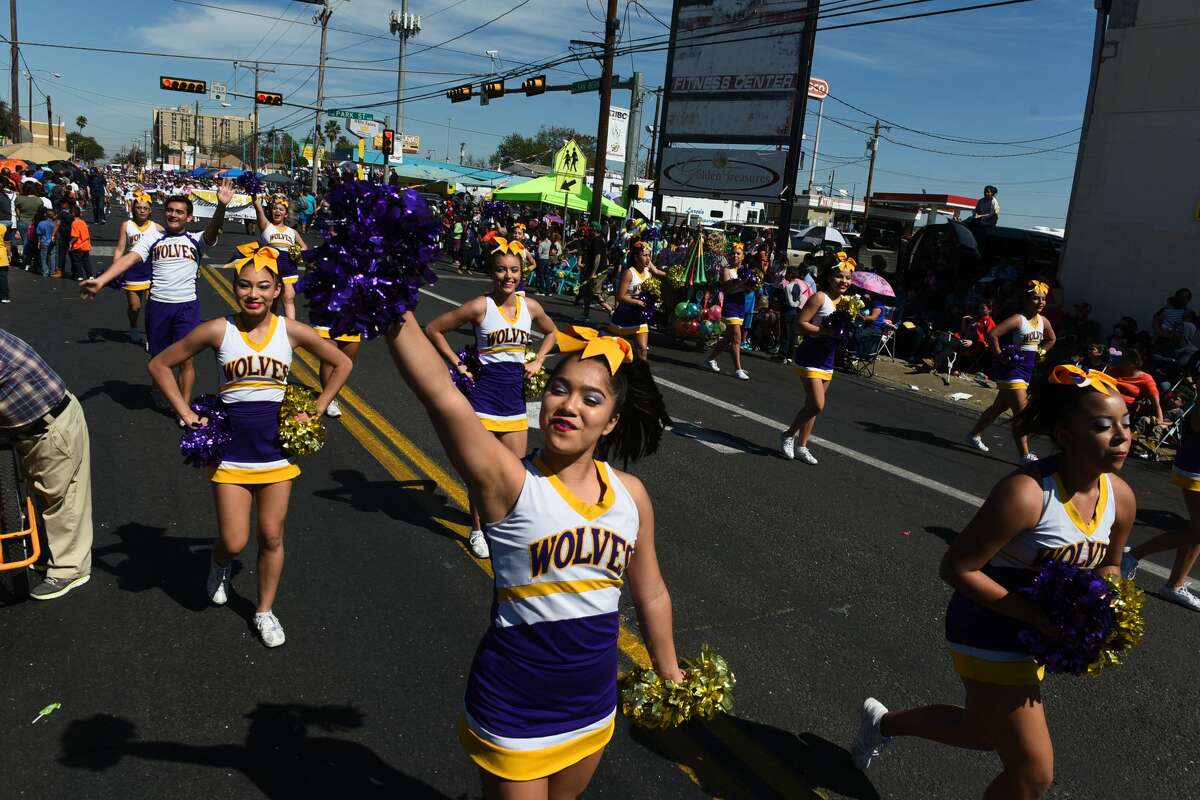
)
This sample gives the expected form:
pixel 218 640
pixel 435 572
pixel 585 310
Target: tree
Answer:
pixel 343 144
pixel 85 148
pixel 332 131
pixel 134 157
pixel 540 149
pixel 81 123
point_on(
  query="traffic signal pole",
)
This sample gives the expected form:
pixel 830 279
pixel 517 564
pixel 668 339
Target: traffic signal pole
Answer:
pixel 633 136
pixel 254 141
pixel 611 24
pixel 325 12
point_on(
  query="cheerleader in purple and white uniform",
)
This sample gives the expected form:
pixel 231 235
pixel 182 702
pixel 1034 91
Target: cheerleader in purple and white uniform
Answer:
pixel 1031 332
pixel 136 281
pixel 629 317
pixel 815 357
pixel 273 231
pixel 503 321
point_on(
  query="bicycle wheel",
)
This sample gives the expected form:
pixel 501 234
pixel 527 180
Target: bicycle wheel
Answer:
pixel 14 583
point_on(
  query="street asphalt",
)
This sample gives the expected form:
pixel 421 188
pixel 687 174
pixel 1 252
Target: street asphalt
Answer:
pixel 818 584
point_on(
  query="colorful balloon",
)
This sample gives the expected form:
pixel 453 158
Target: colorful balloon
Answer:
pixel 681 310
pixel 714 313
pixel 706 327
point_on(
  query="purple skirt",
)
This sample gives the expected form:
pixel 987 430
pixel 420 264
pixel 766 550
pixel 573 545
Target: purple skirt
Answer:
pixel 1019 371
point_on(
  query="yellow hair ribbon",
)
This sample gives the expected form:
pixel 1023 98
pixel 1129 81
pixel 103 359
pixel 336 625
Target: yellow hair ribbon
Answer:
pixel 1037 287
pixel 842 256
pixel 279 200
pixel 846 264
pixel 505 246
pixel 739 246
pixel 1071 375
pixel 142 197
pixel 258 256
pixel 615 351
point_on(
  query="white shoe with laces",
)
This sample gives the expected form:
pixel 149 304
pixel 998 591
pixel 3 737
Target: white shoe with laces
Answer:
pixel 332 410
pixel 742 375
pixel 976 441
pixel 870 741
pixel 713 365
pixel 787 445
pixel 218 577
pixel 1180 595
pixel 269 629
pixel 1029 458
pixel 805 456
pixel 479 545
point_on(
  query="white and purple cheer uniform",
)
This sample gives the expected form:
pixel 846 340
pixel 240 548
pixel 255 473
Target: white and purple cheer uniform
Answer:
pixel 282 238
pixel 984 643
pixel 253 378
pixel 499 394
pixel 542 693
pixel 172 310
pixel 815 355
pixel 1185 473
pixel 627 319
pixel 1019 371
pixel 137 277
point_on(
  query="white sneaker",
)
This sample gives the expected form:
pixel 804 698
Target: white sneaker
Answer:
pixel 742 375
pixel 269 629
pixel 787 445
pixel 977 443
pixel 1029 458
pixel 332 410
pixel 218 577
pixel 713 365
pixel 805 456
pixel 1180 596
pixel 479 546
pixel 869 742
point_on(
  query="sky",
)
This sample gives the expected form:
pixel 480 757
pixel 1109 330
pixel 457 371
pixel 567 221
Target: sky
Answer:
pixel 1006 74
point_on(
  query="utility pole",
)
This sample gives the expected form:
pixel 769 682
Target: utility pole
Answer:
pixel 29 117
pixel 611 23
pixel 405 26
pixel 812 170
pixel 653 135
pixel 791 169
pixel 196 136
pixel 873 146
pixel 14 58
pixel 49 123
pixel 254 142
pixel 323 18
pixel 633 131
pixel 462 151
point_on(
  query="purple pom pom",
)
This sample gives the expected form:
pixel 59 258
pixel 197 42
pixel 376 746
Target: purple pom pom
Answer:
pixel 469 356
pixel 1010 354
pixel 840 324
pixel 1078 603
pixel 648 311
pixel 495 209
pixel 748 276
pixel 205 446
pixel 378 246
pixel 652 234
pixel 249 182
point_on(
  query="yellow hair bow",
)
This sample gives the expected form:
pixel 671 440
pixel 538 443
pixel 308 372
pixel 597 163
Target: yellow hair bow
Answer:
pixel 1037 287
pixel 842 256
pixel 739 246
pixel 505 246
pixel 279 200
pixel 142 197
pixel 1071 375
pixel 258 256
pixel 614 350
pixel 848 265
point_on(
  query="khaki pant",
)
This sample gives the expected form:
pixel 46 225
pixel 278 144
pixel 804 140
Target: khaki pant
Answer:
pixel 59 465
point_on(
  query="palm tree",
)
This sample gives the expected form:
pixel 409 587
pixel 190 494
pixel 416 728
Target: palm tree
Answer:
pixel 332 131
pixel 81 123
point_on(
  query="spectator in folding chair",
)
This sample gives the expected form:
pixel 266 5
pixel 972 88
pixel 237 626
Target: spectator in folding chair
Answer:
pixel 969 345
pixel 1138 387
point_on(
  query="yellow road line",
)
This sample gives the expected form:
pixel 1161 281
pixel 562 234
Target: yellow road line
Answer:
pixel 779 776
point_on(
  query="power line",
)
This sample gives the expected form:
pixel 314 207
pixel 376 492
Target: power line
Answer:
pixel 472 30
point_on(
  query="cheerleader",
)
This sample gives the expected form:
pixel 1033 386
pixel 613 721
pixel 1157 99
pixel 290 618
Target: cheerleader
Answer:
pixel 136 281
pixel 1069 508
pixel 815 356
pixel 541 696
pixel 629 317
pixel 1030 331
pixel 502 321
pixel 254 356
pixel 1186 541
pixel 274 232
pixel 733 306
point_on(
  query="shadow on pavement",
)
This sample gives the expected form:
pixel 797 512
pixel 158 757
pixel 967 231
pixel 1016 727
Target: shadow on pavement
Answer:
pixel 131 396
pixel 912 435
pixel 279 755
pixel 100 335
pixel 413 502
pixel 737 758
pixel 947 535
pixel 1162 520
pixel 145 558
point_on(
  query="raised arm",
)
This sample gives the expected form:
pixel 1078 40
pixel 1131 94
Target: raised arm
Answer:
pixel 650 596
pixel 213 230
pixel 205 335
pixel 493 474
pixel 263 222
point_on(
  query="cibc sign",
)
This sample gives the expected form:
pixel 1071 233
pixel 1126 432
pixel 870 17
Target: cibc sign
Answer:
pixel 818 88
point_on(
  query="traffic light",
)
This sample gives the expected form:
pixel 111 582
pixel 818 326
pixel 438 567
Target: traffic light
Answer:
pixel 182 85
pixel 534 85
pixel 268 99
pixel 635 191
pixel 493 89
pixel 388 145
pixel 460 93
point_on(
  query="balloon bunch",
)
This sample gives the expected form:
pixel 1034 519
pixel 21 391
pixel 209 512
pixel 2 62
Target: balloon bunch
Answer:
pixel 205 446
pixel 300 438
pixel 691 321
pixel 379 244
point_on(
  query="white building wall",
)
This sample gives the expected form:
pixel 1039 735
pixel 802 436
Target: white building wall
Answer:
pixel 1133 236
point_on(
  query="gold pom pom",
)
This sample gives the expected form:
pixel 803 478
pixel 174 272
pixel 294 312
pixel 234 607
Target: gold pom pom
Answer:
pixel 1127 601
pixel 676 275
pixel 535 384
pixel 652 287
pixel 295 254
pixel 300 438
pixel 653 702
pixel 850 303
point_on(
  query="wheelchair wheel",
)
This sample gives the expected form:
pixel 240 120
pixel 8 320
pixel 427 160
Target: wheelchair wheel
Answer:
pixel 14 584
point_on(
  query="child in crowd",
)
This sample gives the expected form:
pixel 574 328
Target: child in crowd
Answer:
pixel 81 250
pixel 4 262
pixel 46 239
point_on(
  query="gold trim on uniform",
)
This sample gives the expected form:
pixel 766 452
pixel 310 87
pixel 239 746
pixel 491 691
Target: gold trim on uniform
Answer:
pixel 589 511
pixel 527 765
pixel 813 372
pixel 1003 673
pixel 285 472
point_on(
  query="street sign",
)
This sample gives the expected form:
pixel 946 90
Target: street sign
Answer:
pixel 590 85
pixel 363 128
pixel 818 88
pixel 568 184
pixel 216 91
pixel 569 160
pixel 350 114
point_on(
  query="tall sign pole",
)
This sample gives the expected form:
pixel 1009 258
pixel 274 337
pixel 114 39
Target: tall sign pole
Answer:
pixel 633 131
pixel 14 58
pixel 611 23
pixel 324 19
pixel 792 165
pixel 405 26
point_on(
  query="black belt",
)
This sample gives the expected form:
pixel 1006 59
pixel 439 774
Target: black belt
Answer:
pixel 42 424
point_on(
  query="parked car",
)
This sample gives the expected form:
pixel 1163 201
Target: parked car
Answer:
pixel 978 248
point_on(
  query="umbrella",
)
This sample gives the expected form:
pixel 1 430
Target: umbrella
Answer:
pixel 275 177
pixel 873 282
pixel 28 151
pixel 820 234
pixel 552 219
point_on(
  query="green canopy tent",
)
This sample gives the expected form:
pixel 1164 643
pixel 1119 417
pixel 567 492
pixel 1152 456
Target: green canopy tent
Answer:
pixel 541 190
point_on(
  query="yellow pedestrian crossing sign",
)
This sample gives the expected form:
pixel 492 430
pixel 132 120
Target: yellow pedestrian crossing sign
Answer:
pixel 570 166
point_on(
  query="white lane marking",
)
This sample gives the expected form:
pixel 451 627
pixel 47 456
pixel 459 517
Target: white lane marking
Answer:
pixel 862 458
pixel 103 250
pixel 710 439
pixel 533 412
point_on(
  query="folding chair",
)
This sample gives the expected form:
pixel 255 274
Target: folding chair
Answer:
pixel 860 357
pixel 887 344
pixel 1170 438
pixel 567 277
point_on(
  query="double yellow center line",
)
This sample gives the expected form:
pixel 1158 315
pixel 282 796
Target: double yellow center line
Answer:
pixel 375 433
